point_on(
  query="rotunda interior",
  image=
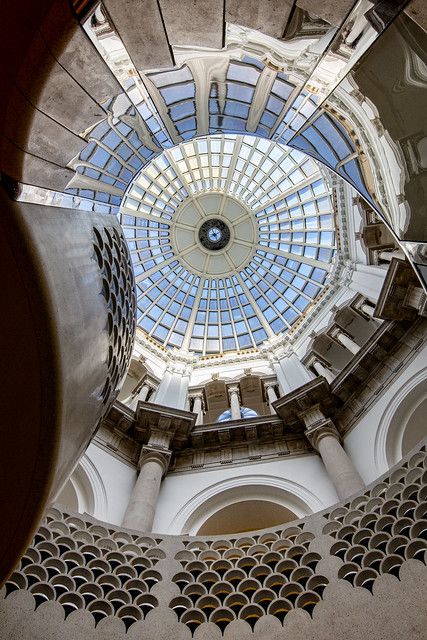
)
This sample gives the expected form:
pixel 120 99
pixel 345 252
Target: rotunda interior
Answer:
pixel 214 257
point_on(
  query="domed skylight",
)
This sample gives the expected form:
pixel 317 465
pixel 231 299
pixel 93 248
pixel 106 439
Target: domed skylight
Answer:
pixel 231 238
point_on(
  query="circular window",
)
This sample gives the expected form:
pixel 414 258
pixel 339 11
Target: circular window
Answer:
pixel 214 234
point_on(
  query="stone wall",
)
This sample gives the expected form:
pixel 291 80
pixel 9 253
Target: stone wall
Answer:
pixel 355 570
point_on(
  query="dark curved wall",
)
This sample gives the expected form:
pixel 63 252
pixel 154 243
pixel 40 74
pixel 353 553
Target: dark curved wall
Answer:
pixel 55 338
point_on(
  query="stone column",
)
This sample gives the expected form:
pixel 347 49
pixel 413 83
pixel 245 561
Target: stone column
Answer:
pixel 198 407
pixel 346 341
pixel 323 370
pixel 271 395
pixel 366 308
pixel 140 396
pixel 153 465
pixel 234 395
pixel 296 373
pixel 284 387
pixel 387 256
pixel 324 437
pixel 368 280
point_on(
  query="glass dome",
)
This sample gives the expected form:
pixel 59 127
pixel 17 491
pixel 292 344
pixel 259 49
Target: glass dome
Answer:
pixel 232 240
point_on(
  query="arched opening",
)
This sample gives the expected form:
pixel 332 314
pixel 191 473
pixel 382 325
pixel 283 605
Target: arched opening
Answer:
pixel 68 497
pixel 415 428
pixel 403 425
pixel 248 515
pixel 84 492
pixel 245 503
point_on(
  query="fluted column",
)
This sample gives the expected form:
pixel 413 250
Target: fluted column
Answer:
pixel 323 370
pixel 271 395
pixel 346 341
pixel 140 512
pixel 324 437
pixel 234 396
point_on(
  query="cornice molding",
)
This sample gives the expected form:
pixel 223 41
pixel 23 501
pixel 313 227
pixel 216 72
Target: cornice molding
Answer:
pixel 344 401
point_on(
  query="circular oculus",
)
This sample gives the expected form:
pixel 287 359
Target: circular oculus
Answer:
pixel 214 234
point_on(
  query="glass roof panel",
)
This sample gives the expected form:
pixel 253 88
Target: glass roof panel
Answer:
pixel 280 244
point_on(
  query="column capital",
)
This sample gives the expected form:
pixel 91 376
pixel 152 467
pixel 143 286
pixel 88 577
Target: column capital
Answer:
pixel 312 415
pixel 234 389
pixel 307 405
pixel 269 385
pixel 337 331
pixel 199 404
pixel 163 427
pixel 161 435
pixel 344 339
pixel 321 367
pixel 196 394
pixel 313 357
pixel 155 454
pixel 320 430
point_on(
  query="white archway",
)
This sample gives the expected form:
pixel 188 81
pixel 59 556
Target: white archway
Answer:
pixel 401 422
pixel 285 493
pixel 246 515
pixel 85 491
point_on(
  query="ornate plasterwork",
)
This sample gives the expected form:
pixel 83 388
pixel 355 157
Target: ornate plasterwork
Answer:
pixel 204 446
pixel 189 221
pixel 239 454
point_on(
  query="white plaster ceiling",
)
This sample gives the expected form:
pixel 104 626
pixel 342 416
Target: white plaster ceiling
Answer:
pixel 211 206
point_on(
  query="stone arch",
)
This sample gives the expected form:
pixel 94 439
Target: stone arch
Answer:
pixel 401 422
pixel 285 493
pixel 85 491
